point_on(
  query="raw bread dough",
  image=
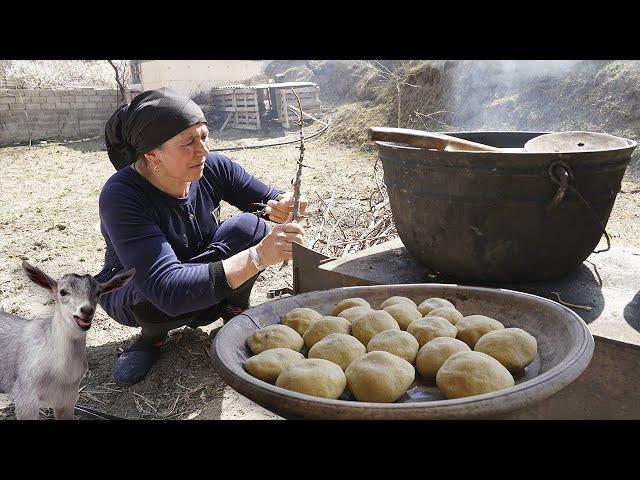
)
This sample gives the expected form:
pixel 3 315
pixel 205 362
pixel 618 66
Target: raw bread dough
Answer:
pixel 274 336
pixel 300 318
pixel 317 377
pixel 433 303
pixel 352 313
pixel 339 348
pixel 512 347
pixel 267 365
pixel 348 303
pixel 471 328
pixel 324 326
pixel 366 326
pixel 379 377
pixel 403 314
pixel 450 313
pixel 434 353
pixel 397 342
pixel 472 373
pixel 429 328
pixel 395 300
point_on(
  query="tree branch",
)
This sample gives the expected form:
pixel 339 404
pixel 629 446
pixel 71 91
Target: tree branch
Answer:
pixel 120 85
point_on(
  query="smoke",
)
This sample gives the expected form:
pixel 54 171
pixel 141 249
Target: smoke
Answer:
pixel 513 72
pixel 500 94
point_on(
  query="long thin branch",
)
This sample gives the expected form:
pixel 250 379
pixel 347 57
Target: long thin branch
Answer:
pixel 298 182
pixel 120 85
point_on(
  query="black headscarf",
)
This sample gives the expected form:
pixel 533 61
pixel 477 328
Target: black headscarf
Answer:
pixel 152 118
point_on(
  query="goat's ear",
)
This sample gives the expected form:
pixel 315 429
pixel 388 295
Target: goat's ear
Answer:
pixel 38 277
pixel 117 281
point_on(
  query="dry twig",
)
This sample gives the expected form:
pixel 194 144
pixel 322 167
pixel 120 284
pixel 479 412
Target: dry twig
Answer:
pixel 572 305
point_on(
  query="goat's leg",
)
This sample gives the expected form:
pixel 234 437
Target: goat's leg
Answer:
pixel 64 408
pixel 64 413
pixel 27 410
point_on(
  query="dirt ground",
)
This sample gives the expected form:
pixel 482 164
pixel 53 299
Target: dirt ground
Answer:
pixel 49 216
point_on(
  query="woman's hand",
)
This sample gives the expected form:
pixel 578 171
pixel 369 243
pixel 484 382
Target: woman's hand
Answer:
pixel 278 210
pixel 276 246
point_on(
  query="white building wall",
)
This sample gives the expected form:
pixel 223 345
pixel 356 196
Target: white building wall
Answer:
pixel 191 76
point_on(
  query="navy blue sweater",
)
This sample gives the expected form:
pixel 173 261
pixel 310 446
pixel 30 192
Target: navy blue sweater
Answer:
pixel 155 232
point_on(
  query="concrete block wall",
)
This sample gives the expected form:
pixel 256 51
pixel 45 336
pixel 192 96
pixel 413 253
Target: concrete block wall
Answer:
pixel 47 114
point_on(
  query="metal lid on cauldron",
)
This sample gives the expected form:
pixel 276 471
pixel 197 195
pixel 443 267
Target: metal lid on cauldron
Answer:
pixel 571 142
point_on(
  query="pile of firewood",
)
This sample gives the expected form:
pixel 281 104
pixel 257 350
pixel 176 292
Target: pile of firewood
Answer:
pixel 359 227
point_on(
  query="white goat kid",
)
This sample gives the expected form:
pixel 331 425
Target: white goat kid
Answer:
pixel 43 361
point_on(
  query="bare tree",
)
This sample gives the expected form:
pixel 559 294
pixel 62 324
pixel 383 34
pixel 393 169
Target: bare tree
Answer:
pixel 122 75
pixel 399 76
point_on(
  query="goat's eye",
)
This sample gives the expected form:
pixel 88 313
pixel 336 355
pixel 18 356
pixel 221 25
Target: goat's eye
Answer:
pixel 64 293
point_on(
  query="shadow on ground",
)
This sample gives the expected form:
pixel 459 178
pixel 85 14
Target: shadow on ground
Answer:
pixel 632 312
pixel 581 287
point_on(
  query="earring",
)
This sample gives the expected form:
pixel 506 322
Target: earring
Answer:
pixel 156 170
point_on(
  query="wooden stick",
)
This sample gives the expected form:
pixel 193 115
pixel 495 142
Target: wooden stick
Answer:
pixel 226 121
pixel 298 181
pixel 572 305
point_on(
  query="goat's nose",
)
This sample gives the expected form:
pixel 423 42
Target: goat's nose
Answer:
pixel 88 311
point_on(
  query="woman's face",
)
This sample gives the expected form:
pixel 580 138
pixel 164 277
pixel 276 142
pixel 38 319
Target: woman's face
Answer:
pixel 182 157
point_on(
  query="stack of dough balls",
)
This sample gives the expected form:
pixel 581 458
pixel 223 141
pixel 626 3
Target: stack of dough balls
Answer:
pixel 375 353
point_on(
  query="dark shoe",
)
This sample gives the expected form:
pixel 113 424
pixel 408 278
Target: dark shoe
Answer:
pixel 230 311
pixel 136 361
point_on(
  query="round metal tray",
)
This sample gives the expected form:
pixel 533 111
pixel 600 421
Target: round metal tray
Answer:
pixel 565 348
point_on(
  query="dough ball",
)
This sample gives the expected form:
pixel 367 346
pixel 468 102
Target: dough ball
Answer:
pixel 324 326
pixel 472 373
pixel 300 318
pixel 274 336
pixel 429 328
pixel 450 313
pixel 471 328
pixel 403 314
pixel 352 313
pixel 339 348
pixel 379 377
pixel 512 347
pixel 267 365
pixel 435 352
pixel 365 327
pixel 433 303
pixel 348 303
pixel 397 300
pixel 400 343
pixel 317 377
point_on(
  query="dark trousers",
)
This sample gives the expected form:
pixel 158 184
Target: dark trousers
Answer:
pixel 128 306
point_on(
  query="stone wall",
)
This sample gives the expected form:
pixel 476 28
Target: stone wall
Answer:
pixel 47 114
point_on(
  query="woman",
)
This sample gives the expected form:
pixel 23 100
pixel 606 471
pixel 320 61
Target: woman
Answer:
pixel 159 214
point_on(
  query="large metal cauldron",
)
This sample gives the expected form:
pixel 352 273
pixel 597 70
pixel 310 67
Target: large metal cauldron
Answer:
pixel 491 216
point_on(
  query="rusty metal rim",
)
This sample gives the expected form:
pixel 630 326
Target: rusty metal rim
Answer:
pixel 530 169
pixel 576 361
pixel 464 134
pixel 535 171
pixel 459 200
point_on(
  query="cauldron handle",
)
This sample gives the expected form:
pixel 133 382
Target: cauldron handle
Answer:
pixel 560 174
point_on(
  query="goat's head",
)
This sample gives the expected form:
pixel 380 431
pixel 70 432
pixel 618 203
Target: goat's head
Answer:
pixel 75 295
